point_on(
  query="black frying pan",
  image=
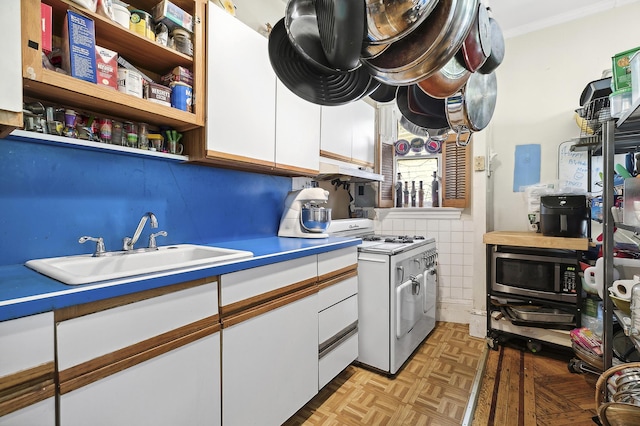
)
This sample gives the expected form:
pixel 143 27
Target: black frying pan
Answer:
pixel 342 25
pixel 424 119
pixel 309 82
pixel 384 93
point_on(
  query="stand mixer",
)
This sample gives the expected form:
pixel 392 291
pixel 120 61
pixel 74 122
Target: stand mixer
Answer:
pixel 302 218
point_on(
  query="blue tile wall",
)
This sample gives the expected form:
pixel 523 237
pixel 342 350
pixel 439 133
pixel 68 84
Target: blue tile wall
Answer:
pixel 50 195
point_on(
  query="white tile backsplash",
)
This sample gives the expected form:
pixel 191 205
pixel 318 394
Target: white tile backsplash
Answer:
pixel 455 243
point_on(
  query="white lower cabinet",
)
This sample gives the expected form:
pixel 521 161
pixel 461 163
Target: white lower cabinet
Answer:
pixel 269 342
pixel 148 358
pixel 27 389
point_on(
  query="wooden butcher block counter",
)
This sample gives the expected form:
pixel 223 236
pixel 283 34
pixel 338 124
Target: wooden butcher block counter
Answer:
pixel 533 239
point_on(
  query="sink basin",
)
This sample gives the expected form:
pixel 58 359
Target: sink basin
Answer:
pixel 83 269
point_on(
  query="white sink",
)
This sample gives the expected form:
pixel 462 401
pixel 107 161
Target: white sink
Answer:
pixel 83 269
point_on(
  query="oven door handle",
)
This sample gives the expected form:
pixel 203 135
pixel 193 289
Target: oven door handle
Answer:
pixel 371 259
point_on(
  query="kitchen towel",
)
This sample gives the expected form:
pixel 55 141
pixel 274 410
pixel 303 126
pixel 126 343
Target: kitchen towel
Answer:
pixel 623 288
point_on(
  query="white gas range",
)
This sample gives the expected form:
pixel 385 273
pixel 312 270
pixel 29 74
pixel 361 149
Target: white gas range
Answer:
pixel 397 282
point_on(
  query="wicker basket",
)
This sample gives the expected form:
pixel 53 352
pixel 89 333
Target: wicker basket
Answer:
pixel 615 413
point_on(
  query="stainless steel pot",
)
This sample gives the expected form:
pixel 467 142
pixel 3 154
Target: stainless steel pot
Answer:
pixel 471 109
pixel 446 81
pixel 428 48
pixel 390 20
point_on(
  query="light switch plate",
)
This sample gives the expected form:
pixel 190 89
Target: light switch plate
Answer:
pixel 478 163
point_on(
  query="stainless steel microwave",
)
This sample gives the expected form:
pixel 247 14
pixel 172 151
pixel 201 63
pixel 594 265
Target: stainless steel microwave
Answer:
pixel 537 273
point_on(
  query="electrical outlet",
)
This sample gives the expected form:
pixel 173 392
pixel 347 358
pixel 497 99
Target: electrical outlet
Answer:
pixel 478 163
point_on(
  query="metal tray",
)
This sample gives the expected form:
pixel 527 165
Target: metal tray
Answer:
pixel 541 314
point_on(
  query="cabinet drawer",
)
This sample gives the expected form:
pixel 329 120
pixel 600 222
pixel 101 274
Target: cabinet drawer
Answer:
pixel 335 319
pixel 243 285
pixel 26 343
pixel 335 292
pixel 337 360
pixel 105 331
pixel 331 263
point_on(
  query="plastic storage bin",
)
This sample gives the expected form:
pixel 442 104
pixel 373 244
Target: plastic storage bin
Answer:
pixel 620 102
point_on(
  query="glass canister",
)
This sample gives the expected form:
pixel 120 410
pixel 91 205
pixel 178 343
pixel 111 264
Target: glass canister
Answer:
pixel 143 133
pixel 182 41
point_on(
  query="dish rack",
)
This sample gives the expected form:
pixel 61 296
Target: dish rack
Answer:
pixel 590 117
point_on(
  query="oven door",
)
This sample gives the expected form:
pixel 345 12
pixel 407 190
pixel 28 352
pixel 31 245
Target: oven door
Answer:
pixel 409 304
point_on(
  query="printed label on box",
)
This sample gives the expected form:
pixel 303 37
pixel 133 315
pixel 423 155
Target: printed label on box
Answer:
pixel 80 58
pixel 107 66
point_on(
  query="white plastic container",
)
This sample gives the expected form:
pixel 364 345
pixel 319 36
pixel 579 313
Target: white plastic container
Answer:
pixel 635 77
pixel 620 102
pixel 122 15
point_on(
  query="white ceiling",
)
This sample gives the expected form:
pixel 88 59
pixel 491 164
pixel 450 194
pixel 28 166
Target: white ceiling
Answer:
pixel 516 17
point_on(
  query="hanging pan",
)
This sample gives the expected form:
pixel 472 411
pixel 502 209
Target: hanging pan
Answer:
pixel 477 45
pixel 341 25
pixel 422 119
pixel 311 83
pixel 471 109
pixel 497 49
pixel 384 93
pixel 446 81
pixel 390 20
pixel 302 28
pixel 428 48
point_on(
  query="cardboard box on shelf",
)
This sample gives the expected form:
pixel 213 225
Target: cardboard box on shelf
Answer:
pixel 172 16
pixel 46 20
pixel 79 58
pixel 180 74
pixel 158 93
pixel 107 67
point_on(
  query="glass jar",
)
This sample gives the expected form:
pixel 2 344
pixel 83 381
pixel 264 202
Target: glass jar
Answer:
pixel 182 41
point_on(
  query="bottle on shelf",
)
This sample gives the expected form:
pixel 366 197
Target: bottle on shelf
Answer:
pixel 420 195
pixel 406 194
pixel 413 193
pixel 435 190
pixel 399 191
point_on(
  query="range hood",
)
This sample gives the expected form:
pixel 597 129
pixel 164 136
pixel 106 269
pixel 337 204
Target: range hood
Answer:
pixel 350 173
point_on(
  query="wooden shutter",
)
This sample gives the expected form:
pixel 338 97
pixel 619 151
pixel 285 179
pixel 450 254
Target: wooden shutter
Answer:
pixel 456 173
pixel 385 195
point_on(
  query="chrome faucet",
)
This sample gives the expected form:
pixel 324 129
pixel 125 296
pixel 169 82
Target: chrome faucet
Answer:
pixel 130 241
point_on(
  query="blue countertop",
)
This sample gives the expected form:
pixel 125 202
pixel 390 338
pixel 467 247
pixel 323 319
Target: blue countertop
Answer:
pixel 26 292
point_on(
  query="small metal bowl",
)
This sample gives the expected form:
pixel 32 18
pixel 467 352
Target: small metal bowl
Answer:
pixel 315 219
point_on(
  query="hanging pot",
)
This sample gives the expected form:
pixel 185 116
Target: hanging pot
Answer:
pixel 497 49
pixel 391 20
pixel 477 45
pixel 308 81
pixel 446 81
pixel 428 48
pixel 471 109
pixel 341 25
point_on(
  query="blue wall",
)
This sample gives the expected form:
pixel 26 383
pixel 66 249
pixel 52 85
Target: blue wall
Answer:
pixel 50 195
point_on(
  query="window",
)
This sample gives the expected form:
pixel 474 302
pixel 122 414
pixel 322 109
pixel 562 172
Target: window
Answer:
pixel 452 165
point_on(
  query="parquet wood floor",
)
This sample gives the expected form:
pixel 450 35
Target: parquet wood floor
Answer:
pixel 522 388
pixel 433 388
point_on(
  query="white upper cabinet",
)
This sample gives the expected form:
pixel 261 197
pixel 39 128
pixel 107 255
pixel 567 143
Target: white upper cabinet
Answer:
pixel 241 91
pixel 297 131
pixel 348 133
pixel 11 81
pixel 363 140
